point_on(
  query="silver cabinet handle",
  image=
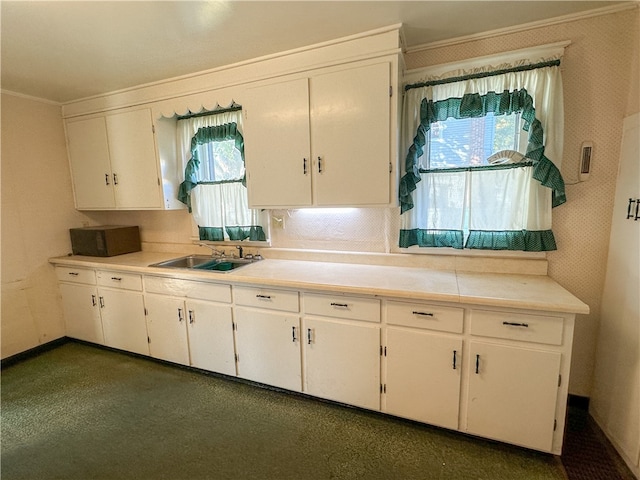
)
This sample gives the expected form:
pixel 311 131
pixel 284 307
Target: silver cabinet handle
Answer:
pixel 304 166
pixel 74 274
pixel 454 359
pixel 101 300
pixel 192 316
pixel 341 305
pixel 93 300
pixel 477 364
pixel 516 324
pixel 293 334
pixel 180 315
pixel 308 336
pixel 424 314
pixel 106 179
pixel 266 297
pixel 319 165
pixel 115 178
pixel 117 279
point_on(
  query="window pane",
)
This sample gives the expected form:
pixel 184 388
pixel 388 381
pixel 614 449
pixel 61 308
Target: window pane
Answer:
pixel 468 142
pixel 220 161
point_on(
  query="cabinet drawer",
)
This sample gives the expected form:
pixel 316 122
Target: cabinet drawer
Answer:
pixel 184 288
pixel 354 308
pixel 423 315
pixel 517 326
pixel 286 300
pixel 126 281
pixel 76 275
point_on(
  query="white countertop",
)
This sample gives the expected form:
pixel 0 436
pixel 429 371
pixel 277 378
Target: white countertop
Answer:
pixel 533 292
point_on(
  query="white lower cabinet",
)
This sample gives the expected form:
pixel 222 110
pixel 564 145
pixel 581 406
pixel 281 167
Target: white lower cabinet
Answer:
pixel 422 379
pixel 122 311
pixel 190 323
pixel 210 333
pixel 342 349
pixel 267 329
pixel 81 312
pixel 268 347
pixel 512 394
pixel 167 328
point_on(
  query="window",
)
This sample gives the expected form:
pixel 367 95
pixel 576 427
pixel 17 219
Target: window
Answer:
pixel 479 171
pixel 214 188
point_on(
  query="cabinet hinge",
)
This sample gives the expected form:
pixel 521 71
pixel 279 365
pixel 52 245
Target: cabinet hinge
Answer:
pixel 391 90
pixel 146 312
pixel 153 128
pixel 380 350
pixel 559 379
pixel 555 424
pixel 234 326
pixel 385 351
pixel 390 167
pixel 148 340
pixel 159 182
pixel 237 358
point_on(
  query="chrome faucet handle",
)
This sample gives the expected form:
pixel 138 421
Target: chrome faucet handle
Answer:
pixel 214 251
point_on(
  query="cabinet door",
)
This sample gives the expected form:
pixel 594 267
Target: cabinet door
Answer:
pixel 210 331
pixel 123 321
pixel 81 312
pixel 342 361
pixel 268 346
pixel 133 160
pixel 350 115
pixel 90 168
pixel 167 328
pixel 277 145
pixel 512 394
pixel 423 376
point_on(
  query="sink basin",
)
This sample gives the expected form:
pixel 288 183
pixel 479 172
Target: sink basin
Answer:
pixel 204 262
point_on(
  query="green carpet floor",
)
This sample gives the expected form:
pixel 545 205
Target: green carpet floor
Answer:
pixel 80 412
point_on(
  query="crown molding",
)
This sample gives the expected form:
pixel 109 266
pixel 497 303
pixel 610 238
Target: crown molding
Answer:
pixel 524 27
pixel 30 97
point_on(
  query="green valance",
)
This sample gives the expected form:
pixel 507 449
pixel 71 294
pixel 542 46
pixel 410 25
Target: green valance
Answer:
pixel 204 135
pixel 431 238
pixel 253 233
pixel 528 241
pixel 475 105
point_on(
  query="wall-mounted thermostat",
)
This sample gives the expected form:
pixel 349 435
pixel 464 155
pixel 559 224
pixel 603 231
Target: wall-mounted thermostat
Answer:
pixel 586 160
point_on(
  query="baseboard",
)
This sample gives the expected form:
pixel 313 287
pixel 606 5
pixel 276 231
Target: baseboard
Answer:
pixel 578 401
pixel 32 352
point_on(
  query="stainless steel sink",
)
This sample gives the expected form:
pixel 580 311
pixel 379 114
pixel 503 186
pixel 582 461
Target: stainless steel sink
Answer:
pixel 204 262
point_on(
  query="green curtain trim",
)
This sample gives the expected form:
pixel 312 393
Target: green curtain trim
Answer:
pixel 219 133
pixel 525 240
pixel 253 233
pixel 476 105
pixel 431 238
pixel 471 76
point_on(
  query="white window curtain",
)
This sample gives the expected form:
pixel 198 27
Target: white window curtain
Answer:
pixel 220 209
pixel 502 207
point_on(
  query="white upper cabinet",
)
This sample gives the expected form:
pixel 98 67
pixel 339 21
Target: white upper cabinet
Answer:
pixel 321 140
pixel 113 162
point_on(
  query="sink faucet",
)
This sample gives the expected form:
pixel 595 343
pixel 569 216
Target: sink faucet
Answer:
pixel 214 252
pixel 239 247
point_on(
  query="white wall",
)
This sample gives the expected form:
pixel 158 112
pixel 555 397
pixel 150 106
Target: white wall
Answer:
pixel 36 213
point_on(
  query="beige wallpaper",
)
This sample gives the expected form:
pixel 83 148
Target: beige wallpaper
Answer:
pixel 599 91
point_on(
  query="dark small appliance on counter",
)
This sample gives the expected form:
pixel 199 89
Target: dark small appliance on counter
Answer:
pixel 105 240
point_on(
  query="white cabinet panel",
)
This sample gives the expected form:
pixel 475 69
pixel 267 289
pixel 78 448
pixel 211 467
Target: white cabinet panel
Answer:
pixel 123 320
pixel 134 164
pixel 210 329
pixel 350 136
pixel 342 361
pixel 277 144
pixel 268 347
pixel 167 328
pixel 512 394
pixel 81 312
pixel 423 376
pixel 90 165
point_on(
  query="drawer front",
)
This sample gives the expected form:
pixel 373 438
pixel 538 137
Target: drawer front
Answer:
pixel 353 308
pixel 76 275
pixel 126 281
pixel 423 315
pixel 185 288
pixel 517 326
pixel 274 299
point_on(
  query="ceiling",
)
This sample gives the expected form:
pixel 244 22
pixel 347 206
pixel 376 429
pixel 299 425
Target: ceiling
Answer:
pixel 66 50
